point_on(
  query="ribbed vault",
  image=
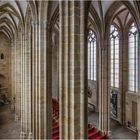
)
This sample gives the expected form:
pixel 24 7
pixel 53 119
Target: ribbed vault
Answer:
pixel 12 13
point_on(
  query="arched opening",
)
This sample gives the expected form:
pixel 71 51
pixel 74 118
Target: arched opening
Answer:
pixel 2 56
pixel 92 79
pixel 114 98
pixel 114 58
pixel 120 98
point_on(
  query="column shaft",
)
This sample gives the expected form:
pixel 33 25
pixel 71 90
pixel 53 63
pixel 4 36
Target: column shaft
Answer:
pixel 72 74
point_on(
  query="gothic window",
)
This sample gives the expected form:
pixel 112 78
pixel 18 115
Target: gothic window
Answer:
pixel 2 56
pixel 91 56
pixel 114 57
pixel 133 59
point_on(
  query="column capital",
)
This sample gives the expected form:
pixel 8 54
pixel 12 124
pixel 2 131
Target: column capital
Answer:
pixel 26 36
pixel 43 24
pixel 34 22
pixel 39 22
pixel 30 136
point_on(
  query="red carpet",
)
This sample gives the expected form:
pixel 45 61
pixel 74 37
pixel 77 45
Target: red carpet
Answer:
pixel 93 133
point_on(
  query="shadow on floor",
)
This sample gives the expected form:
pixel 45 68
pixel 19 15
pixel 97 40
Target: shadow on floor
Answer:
pixel 9 128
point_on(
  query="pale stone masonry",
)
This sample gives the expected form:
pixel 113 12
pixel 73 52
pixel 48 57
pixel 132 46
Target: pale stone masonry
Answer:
pixel 72 70
pixel 46 55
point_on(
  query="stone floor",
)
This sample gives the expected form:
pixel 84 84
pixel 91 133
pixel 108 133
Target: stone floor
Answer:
pixel 117 131
pixel 9 128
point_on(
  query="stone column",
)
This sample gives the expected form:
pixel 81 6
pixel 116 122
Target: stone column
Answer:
pixel 33 78
pixel 36 80
pixel 34 83
pixel 23 113
pixel 138 106
pixel 18 78
pixel 14 94
pixel 72 70
pixel 124 75
pixel 45 78
pixel 104 89
pixel 30 87
pixel 15 76
pixel 28 83
pixel 41 84
pixel 21 39
pixel 25 85
pixel 12 72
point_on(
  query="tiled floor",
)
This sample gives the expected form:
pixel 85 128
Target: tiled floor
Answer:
pixel 117 131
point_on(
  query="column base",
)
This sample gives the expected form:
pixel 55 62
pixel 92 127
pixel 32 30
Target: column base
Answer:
pixel 16 117
pixel 106 132
pixel 12 107
pixel 30 135
pixel 22 135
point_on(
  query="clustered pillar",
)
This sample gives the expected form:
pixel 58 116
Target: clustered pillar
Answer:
pixel 72 70
pixel 104 97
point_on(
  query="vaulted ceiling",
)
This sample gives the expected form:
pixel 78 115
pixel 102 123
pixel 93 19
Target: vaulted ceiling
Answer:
pixel 104 12
pixel 14 11
pixel 103 6
pixel 11 13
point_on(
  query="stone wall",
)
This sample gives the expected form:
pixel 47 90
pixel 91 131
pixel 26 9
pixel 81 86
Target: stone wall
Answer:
pixel 130 97
pixel 5 64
